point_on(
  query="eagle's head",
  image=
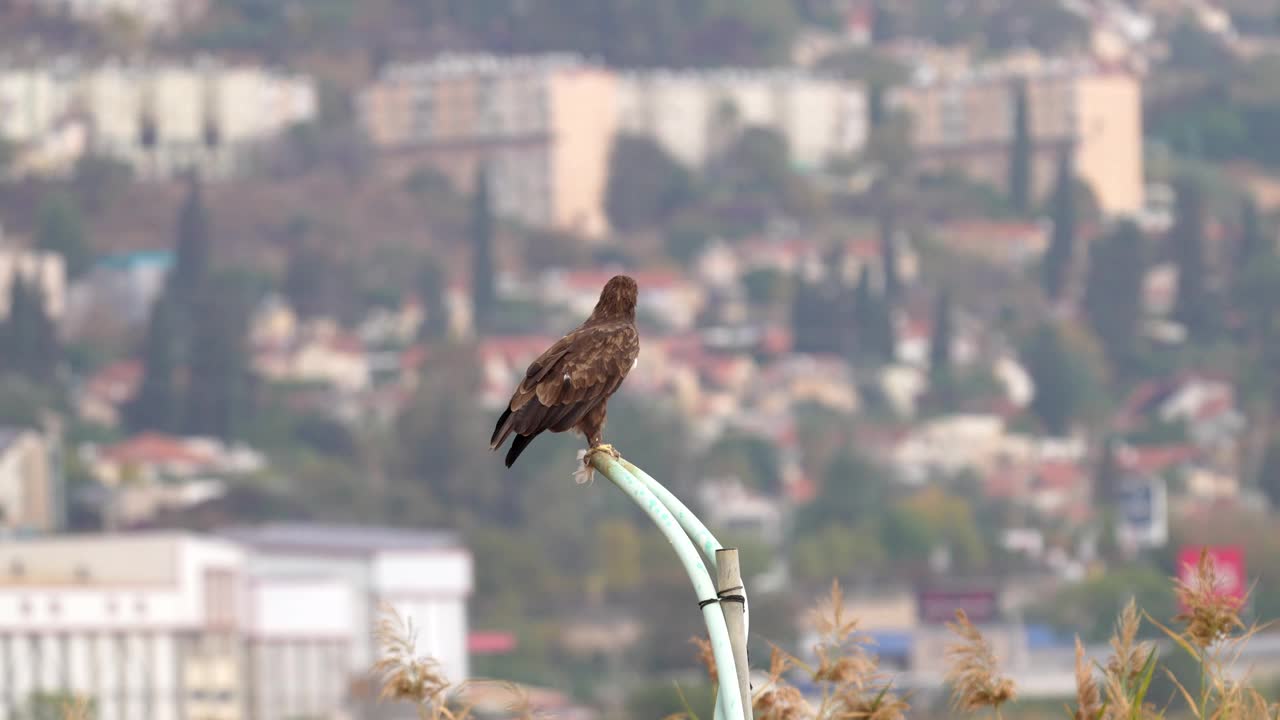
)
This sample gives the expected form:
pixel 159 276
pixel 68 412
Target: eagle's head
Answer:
pixel 617 299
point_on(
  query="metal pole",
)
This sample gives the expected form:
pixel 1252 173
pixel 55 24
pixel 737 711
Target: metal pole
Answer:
pixel 730 697
pixel 733 605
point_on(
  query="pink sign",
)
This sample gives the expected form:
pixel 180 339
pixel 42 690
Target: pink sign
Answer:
pixel 1228 564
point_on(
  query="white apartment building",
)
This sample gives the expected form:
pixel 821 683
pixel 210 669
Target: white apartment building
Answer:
pixel 160 118
pixel 151 15
pixel 257 624
pixel 693 113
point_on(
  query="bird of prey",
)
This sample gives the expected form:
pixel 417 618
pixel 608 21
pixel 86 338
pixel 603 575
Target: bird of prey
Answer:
pixel 568 386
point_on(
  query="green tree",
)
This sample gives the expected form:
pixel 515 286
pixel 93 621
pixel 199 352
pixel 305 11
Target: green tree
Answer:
pixel 157 405
pixel 310 282
pixel 431 292
pixel 1060 257
pixel 1113 293
pixel 29 332
pixel 758 162
pixel 1065 384
pixel 1269 473
pixel 60 229
pixel 872 322
pixel 1020 151
pixel 889 255
pixel 747 457
pixel 483 297
pixel 854 490
pixel 217 368
pixel 191 265
pixel 646 185
pixel 941 370
pixel 1253 245
pixel 1192 305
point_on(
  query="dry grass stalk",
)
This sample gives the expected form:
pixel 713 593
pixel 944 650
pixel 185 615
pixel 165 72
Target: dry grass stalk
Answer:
pixel 1088 697
pixel 849 677
pixel 1209 615
pixel 1128 656
pixel 420 681
pixel 706 656
pixel 78 708
pixel 974 674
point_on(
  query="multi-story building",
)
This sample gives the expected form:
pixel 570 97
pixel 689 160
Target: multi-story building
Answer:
pixel 964 121
pixel 541 125
pixel 694 113
pixel 162 119
pixel 30 491
pixel 150 15
pixel 260 624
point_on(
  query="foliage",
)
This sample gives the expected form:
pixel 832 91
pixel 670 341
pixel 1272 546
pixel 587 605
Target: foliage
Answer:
pixel 1113 293
pixel 1066 383
pixel 1020 153
pixel 157 404
pixel 60 229
pixel 23 402
pixel 29 333
pixel 192 249
pixel 750 458
pixel 483 296
pixel 646 186
pixel 1059 259
pixel 1193 306
pixel 217 366
pixel 941 372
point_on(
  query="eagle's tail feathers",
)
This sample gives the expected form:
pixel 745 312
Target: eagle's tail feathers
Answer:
pixel 517 446
pixel 501 430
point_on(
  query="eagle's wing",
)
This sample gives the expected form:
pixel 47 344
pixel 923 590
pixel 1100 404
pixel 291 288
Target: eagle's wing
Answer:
pixel 571 377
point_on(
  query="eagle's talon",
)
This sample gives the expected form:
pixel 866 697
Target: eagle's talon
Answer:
pixel 602 448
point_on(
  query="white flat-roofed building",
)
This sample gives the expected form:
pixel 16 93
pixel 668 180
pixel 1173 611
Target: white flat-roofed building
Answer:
pixel 145 624
pixel 263 623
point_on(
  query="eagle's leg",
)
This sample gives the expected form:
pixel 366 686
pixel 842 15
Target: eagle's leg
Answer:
pixel 592 427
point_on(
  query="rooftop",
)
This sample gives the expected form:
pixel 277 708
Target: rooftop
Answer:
pixel 345 539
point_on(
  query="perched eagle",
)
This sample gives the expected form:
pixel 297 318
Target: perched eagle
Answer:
pixel 568 386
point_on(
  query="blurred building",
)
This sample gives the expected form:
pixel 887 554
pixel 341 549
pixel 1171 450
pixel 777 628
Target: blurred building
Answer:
pixel 265 623
pixel 964 121
pixel 695 113
pixel 45 270
pixel 30 494
pixel 147 15
pixel 162 119
pixel 542 125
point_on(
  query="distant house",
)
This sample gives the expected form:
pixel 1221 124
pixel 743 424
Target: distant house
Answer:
pixel 30 495
pixel 127 284
pixel 317 352
pixel 667 296
pixel 104 395
pixel 1007 243
pixel 155 457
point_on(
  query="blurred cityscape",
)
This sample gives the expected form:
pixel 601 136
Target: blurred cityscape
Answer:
pixel 965 303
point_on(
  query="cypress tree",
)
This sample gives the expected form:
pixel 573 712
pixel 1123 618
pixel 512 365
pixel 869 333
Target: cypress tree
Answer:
pixel 941 373
pixel 1062 246
pixel 191 266
pixel 1113 295
pixel 482 269
pixel 1191 307
pixel 889 255
pixel 156 406
pixel 1020 151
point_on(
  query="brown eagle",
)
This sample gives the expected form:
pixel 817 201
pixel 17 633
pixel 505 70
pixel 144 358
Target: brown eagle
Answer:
pixel 568 386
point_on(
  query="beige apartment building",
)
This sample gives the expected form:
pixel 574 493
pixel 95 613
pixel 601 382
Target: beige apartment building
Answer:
pixel 965 122
pixel 29 492
pixel 542 125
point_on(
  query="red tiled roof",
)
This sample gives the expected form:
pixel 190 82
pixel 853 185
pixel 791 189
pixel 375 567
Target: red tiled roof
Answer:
pixel 123 376
pixel 1155 458
pixel 1058 475
pixel 594 280
pixel 153 448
